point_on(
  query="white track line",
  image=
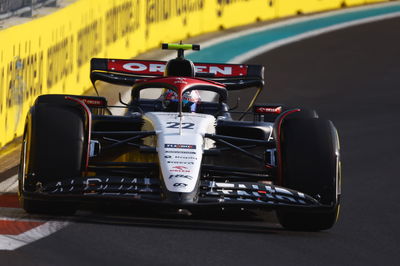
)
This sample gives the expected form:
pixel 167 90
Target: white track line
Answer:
pixel 11 242
pixel 273 45
pixel 9 185
pixel 288 22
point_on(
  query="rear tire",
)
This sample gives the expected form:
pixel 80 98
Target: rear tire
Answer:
pixel 52 150
pixel 310 164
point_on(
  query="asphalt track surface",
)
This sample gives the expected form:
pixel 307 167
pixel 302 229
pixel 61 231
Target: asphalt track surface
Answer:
pixel 352 77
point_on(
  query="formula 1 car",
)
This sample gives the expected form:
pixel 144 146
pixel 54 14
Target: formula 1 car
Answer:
pixel 164 153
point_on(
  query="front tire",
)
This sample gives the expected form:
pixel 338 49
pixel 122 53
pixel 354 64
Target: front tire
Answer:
pixel 310 164
pixel 52 149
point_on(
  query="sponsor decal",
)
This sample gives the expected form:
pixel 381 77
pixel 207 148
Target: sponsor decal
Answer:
pixel 15 95
pixel 182 152
pixel 224 71
pixel 180 185
pixel 180 169
pixel 181 176
pixel 257 193
pixel 184 125
pixel 180 146
pixel 92 102
pixel 274 110
pixel 180 81
pixel 158 11
pixel 177 162
pixel 144 69
pixel 184 157
pixel 221 4
pixel 257 196
pixel 156 68
pixel 100 186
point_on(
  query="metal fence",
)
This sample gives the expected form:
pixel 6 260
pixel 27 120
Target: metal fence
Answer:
pixel 9 8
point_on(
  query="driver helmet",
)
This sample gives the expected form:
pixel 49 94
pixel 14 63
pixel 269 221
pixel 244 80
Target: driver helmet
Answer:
pixel 190 101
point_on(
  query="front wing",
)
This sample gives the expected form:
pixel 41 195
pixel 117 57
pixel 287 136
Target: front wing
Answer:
pixel 148 191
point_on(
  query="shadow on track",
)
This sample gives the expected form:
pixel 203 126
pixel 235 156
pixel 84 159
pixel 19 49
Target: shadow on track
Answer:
pixel 212 220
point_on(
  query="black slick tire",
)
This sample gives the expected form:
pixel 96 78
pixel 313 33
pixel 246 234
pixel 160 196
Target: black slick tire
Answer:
pixel 52 149
pixel 310 164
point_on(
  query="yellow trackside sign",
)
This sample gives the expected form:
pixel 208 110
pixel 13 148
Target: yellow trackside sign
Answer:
pixel 51 54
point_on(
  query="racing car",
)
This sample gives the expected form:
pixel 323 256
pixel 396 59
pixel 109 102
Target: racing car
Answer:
pixel 174 151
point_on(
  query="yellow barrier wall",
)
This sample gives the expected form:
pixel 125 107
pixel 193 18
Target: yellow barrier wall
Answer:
pixel 354 2
pixel 51 54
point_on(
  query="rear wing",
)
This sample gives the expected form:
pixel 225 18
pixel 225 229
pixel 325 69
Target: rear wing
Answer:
pixel 127 72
